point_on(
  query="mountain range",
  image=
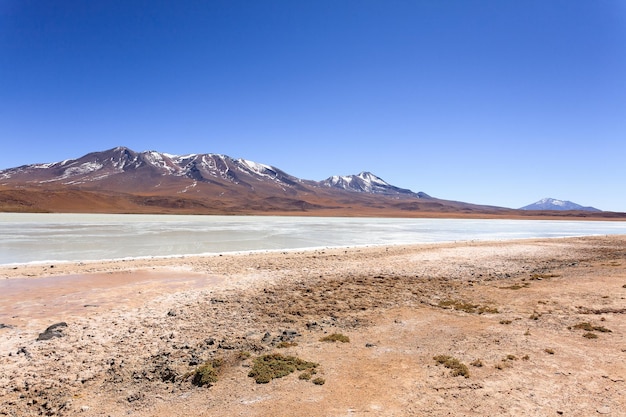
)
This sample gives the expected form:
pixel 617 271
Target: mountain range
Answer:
pixel 120 180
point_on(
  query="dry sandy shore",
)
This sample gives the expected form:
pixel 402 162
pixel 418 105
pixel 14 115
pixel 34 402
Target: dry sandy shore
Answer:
pixel 136 332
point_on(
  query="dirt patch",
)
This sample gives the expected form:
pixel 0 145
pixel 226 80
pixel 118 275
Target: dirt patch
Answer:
pixel 524 354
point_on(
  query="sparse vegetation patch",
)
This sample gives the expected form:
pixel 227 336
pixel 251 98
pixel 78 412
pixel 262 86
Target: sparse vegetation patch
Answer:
pixel 335 337
pixel 268 367
pixel 467 307
pixel 588 327
pixel 544 276
pixel 477 363
pixel 319 381
pixel 516 286
pixel 206 374
pixel 457 368
pixel 283 345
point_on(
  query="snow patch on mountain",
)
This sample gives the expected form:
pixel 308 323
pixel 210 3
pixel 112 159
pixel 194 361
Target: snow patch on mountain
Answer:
pixel 366 182
pixel 201 168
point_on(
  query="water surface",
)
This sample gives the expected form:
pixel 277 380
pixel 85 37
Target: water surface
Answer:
pixel 26 237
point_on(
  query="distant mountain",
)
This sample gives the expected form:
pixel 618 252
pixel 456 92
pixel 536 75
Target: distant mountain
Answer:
pixel 122 169
pixel 554 204
pixel 120 180
pixel 366 182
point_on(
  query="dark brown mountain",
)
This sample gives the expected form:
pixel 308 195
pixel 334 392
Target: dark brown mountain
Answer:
pixel 121 180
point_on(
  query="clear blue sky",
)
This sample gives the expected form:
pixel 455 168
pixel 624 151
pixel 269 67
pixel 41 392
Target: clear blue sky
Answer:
pixel 486 101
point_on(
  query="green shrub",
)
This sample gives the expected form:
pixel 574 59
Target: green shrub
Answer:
pixel 457 368
pixel 206 374
pixel 319 381
pixel 335 337
pixel 283 345
pixel 588 327
pixel 267 367
pixel 477 363
pixel 467 307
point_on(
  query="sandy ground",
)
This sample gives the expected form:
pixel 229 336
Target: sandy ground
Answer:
pixel 138 330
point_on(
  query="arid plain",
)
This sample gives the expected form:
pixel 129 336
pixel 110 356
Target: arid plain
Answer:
pixel 530 327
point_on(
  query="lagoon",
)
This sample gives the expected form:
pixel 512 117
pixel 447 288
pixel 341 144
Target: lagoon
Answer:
pixel 39 238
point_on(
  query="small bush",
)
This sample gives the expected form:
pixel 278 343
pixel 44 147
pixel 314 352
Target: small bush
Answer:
pixel 335 337
pixel 457 368
pixel 243 355
pixel 319 381
pixel 206 374
pixel 590 335
pixel 588 327
pixel 505 322
pixel 467 307
pixel 516 286
pixel 477 363
pixel 268 367
pixel 283 345
pixel 543 276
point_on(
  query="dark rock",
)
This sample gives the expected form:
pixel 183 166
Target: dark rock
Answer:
pixel 52 331
pixel 56 326
pixel 312 325
pixel 23 351
pixel 288 335
pixel 5 326
pixel 171 313
pixel 135 397
pixel 226 346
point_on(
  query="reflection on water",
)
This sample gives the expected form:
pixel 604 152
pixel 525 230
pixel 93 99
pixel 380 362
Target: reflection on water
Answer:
pixel 63 237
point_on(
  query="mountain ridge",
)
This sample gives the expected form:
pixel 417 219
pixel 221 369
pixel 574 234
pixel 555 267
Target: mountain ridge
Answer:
pixel 99 167
pixel 121 180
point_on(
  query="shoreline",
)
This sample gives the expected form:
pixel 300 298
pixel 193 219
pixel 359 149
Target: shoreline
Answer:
pixel 79 265
pixel 173 262
pixel 136 331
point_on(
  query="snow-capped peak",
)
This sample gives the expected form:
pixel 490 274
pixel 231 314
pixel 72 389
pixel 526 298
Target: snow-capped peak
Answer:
pixel 366 182
pixel 554 204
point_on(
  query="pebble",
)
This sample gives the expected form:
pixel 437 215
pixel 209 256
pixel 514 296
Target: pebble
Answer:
pixel 603 410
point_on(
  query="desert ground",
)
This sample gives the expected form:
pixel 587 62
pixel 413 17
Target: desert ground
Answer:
pixel 517 328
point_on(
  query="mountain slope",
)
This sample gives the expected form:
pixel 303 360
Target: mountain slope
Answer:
pixel 122 169
pixel 558 205
pixel 366 182
pixel 120 180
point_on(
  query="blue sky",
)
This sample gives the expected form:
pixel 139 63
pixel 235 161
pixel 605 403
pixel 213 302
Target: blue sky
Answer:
pixel 491 102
